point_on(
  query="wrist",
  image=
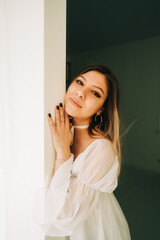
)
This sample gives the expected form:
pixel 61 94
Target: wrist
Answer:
pixel 63 155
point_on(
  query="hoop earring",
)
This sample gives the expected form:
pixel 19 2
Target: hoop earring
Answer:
pixel 96 118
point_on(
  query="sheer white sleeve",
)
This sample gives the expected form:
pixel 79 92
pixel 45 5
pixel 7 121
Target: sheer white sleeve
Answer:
pixel 69 199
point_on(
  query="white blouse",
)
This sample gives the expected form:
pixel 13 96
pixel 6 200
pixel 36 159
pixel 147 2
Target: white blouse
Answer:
pixel 78 201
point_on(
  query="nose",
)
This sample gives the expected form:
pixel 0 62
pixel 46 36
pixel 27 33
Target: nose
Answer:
pixel 81 94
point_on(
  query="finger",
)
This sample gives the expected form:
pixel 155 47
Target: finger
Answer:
pixel 51 123
pixel 61 110
pixel 57 116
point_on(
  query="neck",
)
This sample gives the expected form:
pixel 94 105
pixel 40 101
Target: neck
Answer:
pixel 80 129
pixel 80 121
pixel 80 132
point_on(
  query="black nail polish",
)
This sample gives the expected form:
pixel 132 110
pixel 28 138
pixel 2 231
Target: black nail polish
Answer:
pixel 61 105
pixel 49 114
pixel 57 107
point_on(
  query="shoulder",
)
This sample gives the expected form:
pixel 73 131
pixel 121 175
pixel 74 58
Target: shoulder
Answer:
pixel 104 144
pixel 99 155
pixel 103 140
pixel 98 134
pixel 101 147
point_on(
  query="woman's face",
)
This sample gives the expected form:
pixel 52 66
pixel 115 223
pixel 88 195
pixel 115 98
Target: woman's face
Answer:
pixel 86 95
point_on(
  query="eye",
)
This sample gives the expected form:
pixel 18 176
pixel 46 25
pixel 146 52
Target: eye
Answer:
pixel 96 94
pixel 79 82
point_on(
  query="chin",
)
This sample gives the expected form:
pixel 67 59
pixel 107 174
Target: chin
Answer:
pixel 68 110
pixel 72 112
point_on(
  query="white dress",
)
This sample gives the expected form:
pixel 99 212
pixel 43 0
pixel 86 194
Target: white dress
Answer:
pixel 79 202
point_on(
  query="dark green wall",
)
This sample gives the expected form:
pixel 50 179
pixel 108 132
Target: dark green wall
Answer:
pixel 137 66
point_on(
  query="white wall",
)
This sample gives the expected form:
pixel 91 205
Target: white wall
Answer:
pixel 23 23
pixel 54 65
pixel 55 70
pixel 136 65
pixel 31 86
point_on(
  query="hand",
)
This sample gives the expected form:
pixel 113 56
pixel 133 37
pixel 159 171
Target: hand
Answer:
pixel 62 135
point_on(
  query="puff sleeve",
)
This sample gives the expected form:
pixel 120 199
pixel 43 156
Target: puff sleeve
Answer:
pixel 70 197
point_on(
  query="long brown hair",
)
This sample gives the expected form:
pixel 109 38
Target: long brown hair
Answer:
pixel 108 123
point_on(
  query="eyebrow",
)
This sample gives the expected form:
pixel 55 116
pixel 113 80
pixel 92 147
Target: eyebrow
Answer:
pixel 93 85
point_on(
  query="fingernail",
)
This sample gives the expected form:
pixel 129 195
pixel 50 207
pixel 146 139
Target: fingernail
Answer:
pixel 61 104
pixel 49 114
pixel 57 107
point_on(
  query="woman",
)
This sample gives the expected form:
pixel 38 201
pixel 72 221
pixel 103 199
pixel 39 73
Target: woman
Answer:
pixel 79 199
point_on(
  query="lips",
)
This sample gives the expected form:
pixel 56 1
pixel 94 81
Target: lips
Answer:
pixel 75 102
